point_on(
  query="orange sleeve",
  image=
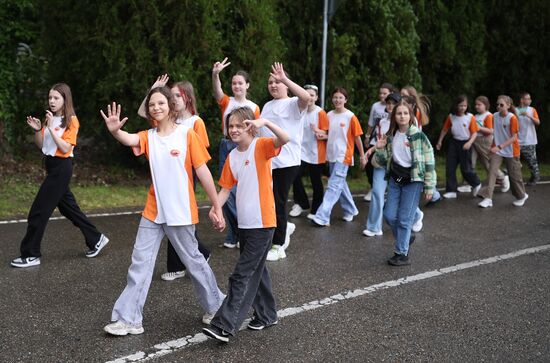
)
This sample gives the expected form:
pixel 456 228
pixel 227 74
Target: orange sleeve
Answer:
pixel 535 114
pixel 223 103
pixel 514 125
pixel 447 123
pixel 355 126
pixel 473 126
pixel 196 149
pixel 267 147
pixel 70 133
pixel 200 128
pixel 257 112
pixel 488 122
pixel 323 120
pixel 227 180
pixel 143 147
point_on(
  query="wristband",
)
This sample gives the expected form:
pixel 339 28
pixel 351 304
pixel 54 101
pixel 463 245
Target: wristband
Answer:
pixel 499 147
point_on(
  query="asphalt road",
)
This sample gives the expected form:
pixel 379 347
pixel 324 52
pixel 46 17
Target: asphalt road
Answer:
pixel 483 309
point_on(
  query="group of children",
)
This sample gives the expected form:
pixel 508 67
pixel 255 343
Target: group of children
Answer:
pixel 262 155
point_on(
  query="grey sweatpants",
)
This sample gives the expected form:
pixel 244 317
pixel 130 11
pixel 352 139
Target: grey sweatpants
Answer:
pixel 129 306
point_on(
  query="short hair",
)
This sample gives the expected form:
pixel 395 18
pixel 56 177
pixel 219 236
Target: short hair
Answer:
pixel 241 113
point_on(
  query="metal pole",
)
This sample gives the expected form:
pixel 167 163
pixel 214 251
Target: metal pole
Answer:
pixel 324 56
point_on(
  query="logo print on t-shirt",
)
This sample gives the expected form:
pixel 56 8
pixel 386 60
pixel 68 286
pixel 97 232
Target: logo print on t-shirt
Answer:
pixel 246 162
pixel 407 144
pixel 56 129
pixel 175 152
pixel 342 124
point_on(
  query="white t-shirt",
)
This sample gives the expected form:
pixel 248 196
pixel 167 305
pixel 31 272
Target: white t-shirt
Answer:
pixel 380 129
pixel 503 129
pixel 343 128
pixel 313 150
pixel 527 132
pixel 286 114
pixel 377 112
pixel 401 149
pixel 49 147
pixel 461 126
pixel 228 104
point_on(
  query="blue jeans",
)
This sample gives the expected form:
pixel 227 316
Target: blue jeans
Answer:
pixel 230 207
pixel 376 207
pixel 337 190
pixel 400 210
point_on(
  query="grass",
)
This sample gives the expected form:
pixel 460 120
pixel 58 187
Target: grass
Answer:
pixel 17 192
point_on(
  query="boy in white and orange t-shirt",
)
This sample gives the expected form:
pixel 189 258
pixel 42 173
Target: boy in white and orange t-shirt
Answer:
pixel 248 166
pixel 528 118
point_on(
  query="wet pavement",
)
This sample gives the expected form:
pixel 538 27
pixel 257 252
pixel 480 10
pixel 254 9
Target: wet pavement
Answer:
pixel 483 311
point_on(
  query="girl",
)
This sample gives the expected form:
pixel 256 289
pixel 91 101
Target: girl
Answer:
pixel 464 129
pixel 409 157
pixel 287 113
pixel 528 120
pixel 314 147
pixel 173 150
pixel 240 84
pixel 374 219
pixel 484 140
pixel 249 168
pixel 186 109
pixel 344 132
pixel 505 147
pixel 56 137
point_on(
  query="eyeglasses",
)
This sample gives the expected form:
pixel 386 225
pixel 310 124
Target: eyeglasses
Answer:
pixel 311 86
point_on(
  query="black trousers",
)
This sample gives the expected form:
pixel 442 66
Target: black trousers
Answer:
pixel 300 196
pixel 55 192
pixel 282 180
pixel 457 155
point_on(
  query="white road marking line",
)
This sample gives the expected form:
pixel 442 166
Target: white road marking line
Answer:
pixel 172 346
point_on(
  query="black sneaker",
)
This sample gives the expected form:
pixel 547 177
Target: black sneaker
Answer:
pixel 256 324
pixel 412 239
pixel 216 333
pixel 533 181
pixel 399 260
pixel 103 240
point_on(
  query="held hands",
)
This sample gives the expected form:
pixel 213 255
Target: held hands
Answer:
pixel 278 72
pixel 34 123
pixel 219 66
pixel 363 160
pixel 216 217
pixel 161 81
pixel 382 142
pixel 112 119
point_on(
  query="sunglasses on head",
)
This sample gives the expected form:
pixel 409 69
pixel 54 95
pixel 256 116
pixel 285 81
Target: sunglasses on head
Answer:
pixel 311 86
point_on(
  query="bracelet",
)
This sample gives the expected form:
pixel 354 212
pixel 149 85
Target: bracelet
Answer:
pixel 499 147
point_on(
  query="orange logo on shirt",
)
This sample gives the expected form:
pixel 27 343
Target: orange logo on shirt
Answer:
pixel 407 144
pixel 175 152
pixel 342 124
pixel 246 163
pixel 56 129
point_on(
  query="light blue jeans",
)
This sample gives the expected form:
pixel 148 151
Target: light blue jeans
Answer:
pixel 400 210
pixel 230 207
pixel 337 191
pixel 376 207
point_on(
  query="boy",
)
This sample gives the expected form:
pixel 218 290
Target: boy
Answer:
pixel 249 167
pixel 528 119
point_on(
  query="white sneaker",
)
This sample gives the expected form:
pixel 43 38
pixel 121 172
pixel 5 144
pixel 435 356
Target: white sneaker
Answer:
pixel 449 195
pixel 207 318
pixel 276 253
pixel 121 328
pixel 171 276
pixel 505 184
pixel 368 196
pixel 464 189
pixel 417 226
pixel 310 216
pixel 486 203
pixel 25 262
pixel 231 245
pixel 290 228
pixel 103 240
pixel 476 189
pixel 295 211
pixel 370 233
pixel 349 217
pixel 520 202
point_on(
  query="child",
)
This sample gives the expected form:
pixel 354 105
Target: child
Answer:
pixel 56 137
pixel 377 113
pixel 249 168
pixel 528 119
pixel 173 151
pixel 409 157
pixel 240 84
pixel 464 129
pixel 505 147
pixel 484 140
pixel 186 109
pixel 287 113
pixel 344 132
pixel 314 148
pixel 376 207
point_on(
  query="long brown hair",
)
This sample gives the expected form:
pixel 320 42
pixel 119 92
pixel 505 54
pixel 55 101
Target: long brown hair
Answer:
pixel 393 123
pixel 421 103
pixel 67 112
pixel 188 93
pixel 166 92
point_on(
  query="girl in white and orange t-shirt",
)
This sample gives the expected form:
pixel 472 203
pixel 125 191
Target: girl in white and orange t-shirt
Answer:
pixel 56 138
pixel 343 135
pixel 173 151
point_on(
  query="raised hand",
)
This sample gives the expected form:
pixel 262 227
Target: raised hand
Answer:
pixel 161 81
pixel 219 66
pixel 34 123
pixel 112 119
pixel 49 118
pixel 278 72
pixel 382 142
pixel 251 124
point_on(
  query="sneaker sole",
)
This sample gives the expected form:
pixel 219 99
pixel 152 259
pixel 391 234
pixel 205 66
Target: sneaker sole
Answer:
pixel 24 265
pixel 212 334
pixel 252 327
pixel 123 333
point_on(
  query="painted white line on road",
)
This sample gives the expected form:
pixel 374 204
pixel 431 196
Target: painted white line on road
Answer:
pixel 172 346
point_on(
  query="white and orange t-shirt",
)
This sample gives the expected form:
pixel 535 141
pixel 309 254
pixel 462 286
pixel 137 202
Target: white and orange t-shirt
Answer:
pixel 250 170
pixel 314 151
pixel 343 128
pixel 286 114
pixel 527 131
pixel 504 128
pixel 462 127
pixel 196 124
pixel 484 120
pixel 49 147
pixel 228 104
pixel 171 198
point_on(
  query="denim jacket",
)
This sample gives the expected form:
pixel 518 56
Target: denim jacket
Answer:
pixel 423 161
